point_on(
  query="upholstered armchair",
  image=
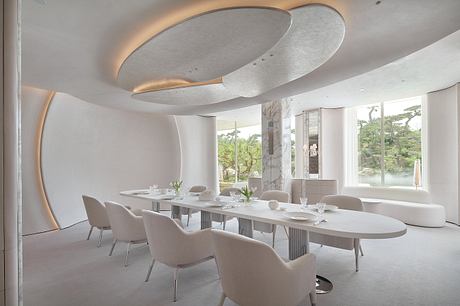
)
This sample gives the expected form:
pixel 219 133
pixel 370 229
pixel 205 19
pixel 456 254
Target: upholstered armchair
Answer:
pixel 97 216
pixel 279 196
pixel 253 274
pixel 126 227
pixel 219 217
pixel 343 202
pixel 188 211
pixel 171 245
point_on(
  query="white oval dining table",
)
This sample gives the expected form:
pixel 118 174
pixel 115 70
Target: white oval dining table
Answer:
pixel 340 223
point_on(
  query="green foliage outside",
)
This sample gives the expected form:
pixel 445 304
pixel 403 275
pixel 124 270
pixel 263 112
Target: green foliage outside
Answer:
pixel 402 146
pixel 249 157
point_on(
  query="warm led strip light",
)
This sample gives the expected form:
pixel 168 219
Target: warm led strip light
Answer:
pixel 171 84
pixel 198 7
pixel 38 161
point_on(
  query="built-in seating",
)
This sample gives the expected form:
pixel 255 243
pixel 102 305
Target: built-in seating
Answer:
pixel 410 206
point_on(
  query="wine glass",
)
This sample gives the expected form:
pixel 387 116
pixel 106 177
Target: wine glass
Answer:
pixel 321 207
pixel 233 196
pixel 303 202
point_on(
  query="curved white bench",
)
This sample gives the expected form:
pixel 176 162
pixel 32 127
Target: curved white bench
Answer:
pixel 411 206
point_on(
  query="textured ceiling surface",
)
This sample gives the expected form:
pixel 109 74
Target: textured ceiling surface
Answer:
pixel 75 47
pixel 205 47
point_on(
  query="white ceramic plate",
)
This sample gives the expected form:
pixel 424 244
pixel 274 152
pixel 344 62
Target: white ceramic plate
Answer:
pixel 301 216
pixel 168 197
pixel 328 207
pixel 140 192
pixel 215 204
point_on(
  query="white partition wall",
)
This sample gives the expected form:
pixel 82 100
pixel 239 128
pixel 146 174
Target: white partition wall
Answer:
pixel 443 119
pixel 10 152
pixel 198 142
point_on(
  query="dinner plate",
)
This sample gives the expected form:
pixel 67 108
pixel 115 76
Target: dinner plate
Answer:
pixel 168 197
pixel 327 208
pixel 215 204
pixel 140 192
pixel 301 216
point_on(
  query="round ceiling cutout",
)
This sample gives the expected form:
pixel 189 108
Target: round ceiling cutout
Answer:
pixel 316 33
pixel 188 95
pixel 205 47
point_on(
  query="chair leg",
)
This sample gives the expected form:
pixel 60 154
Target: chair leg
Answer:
pixel 361 250
pixel 176 272
pixel 113 247
pixel 100 238
pixel 313 297
pixel 188 218
pixel 222 299
pixel 127 254
pixel 286 231
pixel 274 233
pixel 150 270
pixel 90 231
pixel 356 247
pixel 225 223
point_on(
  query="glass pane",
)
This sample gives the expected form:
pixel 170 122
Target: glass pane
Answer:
pixel 249 152
pixel 369 145
pixel 248 158
pixel 403 135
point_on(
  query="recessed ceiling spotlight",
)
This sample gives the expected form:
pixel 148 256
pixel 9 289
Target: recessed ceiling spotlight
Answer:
pixel 362 90
pixel 378 2
pixel 403 81
pixel 271 54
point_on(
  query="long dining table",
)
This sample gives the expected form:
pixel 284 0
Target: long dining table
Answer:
pixel 340 223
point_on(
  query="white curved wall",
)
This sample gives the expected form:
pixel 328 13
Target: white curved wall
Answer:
pixel 89 149
pixel 198 138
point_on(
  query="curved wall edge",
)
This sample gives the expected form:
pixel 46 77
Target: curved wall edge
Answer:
pixel 38 161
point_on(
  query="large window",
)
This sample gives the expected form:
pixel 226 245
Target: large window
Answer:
pixel 240 154
pixel 389 142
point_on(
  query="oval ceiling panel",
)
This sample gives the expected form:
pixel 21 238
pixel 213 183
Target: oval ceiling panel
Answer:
pixel 316 33
pixel 189 95
pixel 205 47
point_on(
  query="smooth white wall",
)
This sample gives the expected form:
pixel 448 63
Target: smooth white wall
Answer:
pixel 90 149
pixel 198 139
pixel 35 216
pixel 442 149
pixel 332 147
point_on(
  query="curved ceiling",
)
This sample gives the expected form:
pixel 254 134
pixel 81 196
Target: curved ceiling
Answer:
pixel 62 53
pixel 316 33
pixel 206 46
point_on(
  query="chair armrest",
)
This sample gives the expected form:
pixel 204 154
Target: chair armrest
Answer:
pixel 302 272
pixel 179 222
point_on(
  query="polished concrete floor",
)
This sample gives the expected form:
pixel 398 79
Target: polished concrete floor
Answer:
pixel 62 268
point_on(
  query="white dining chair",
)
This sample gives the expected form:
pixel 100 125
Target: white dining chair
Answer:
pixel 97 216
pixel 343 202
pixel 126 227
pixel 188 211
pixel 253 274
pixel 279 196
pixel 171 245
pixel 219 217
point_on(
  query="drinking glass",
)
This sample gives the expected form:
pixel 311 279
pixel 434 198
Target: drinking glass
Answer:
pixel 303 202
pixel 232 196
pixel 321 207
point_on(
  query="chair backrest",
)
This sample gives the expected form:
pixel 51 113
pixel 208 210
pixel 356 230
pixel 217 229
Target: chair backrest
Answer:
pixel 226 191
pixel 166 239
pixel 125 224
pixel 96 212
pixel 280 196
pixel 344 202
pixel 248 268
pixel 197 188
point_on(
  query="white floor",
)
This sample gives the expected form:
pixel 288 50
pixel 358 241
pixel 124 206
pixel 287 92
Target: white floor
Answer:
pixel 62 268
